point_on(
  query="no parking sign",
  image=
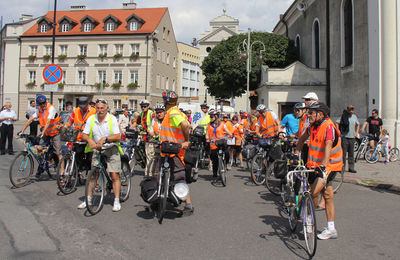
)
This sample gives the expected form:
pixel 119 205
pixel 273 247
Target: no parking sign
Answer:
pixel 52 73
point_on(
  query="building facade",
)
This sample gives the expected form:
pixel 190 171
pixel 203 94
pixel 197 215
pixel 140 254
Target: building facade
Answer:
pixel 123 55
pixel 188 73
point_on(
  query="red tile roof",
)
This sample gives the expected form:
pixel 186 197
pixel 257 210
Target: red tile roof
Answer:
pixel 151 16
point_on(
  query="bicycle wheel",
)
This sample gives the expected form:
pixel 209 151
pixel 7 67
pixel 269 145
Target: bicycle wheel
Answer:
pixel 52 163
pixel 394 154
pixel 21 169
pixel 309 224
pixel 94 190
pixel 66 180
pixel 258 169
pixel 337 181
pixel 125 178
pixel 356 145
pixel 359 152
pixel 291 209
pixel 82 176
pixel 273 184
pixel 222 171
pixel 162 200
pixel 371 156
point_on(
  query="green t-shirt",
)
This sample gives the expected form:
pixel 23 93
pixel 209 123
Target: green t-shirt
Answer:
pixel 176 118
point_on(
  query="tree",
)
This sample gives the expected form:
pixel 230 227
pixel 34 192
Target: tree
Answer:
pixel 226 75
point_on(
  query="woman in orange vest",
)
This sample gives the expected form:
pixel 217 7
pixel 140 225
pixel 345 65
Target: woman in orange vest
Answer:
pixel 154 132
pixel 325 154
pixel 216 130
pixel 238 132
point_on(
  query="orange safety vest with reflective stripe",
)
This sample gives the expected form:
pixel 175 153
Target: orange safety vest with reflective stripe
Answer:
pixel 229 126
pixel 172 134
pixel 215 134
pixel 156 125
pixel 317 148
pixel 244 123
pixel 80 120
pixel 52 130
pixel 268 127
pixel 302 125
pixel 238 133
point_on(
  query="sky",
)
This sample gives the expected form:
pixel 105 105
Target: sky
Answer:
pixel 190 18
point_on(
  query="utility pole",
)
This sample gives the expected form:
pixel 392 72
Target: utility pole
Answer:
pixel 54 43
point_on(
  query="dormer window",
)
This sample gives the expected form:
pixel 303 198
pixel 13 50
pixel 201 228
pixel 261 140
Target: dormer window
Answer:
pixel 134 23
pixel 65 27
pixel 88 24
pixel 44 28
pixel 110 27
pixel 87 27
pixel 66 24
pixel 133 26
pixel 111 23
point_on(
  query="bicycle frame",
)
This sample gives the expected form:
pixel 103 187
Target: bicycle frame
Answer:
pixel 42 163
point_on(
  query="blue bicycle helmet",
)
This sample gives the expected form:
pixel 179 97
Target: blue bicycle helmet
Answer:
pixel 40 99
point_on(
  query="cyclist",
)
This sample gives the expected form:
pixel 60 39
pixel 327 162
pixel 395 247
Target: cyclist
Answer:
pixel 300 112
pixel 144 120
pixel 78 120
pixel 238 132
pixel 204 122
pixel 175 128
pixel 216 130
pixel 375 127
pixel 102 132
pixel 155 127
pixel 243 120
pixel 325 153
pixel 268 124
pixel 49 120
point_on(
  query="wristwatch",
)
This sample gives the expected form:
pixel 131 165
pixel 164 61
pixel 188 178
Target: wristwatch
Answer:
pixel 106 139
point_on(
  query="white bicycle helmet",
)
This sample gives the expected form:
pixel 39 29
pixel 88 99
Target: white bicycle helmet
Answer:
pixel 159 107
pixel 145 102
pixel 261 107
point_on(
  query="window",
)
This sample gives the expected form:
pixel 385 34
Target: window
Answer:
pixel 347 29
pixel 163 33
pixel 298 45
pixel 163 57
pixel 87 27
pixel 184 91
pixel 174 63
pixel 48 50
pixel 63 49
pixel 158 54
pixel 166 83
pixel 173 85
pixel 101 76
pixel 158 81
pixel 117 103
pixel 198 76
pixel 197 92
pixel 192 92
pixel 132 103
pixel 103 49
pixel 168 36
pixel 133 26
pixel 82 77
pixel 118 48
pixel 61 104
pixel 65 27
pixel 162 82
pixel 82 49
pixel 316 44
pixel 43 28
pixel 118 76
pixel 134 76
pixel 167 58
pixel 64 75
pixel 33 50
pixel 110 27
pixel 192 75
pixel 32 76
pixel 135 48
pixel 185 73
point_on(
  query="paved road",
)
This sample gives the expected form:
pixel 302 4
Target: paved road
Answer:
pixel 240 221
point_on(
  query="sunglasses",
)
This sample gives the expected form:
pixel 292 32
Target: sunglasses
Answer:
pixel 310 112
pixel 42 103
pixel 307 99
pixel 143 106
pixel 100 100
pixel 159 111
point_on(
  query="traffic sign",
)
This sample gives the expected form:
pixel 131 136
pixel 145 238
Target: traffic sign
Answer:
pixel 51 87
pixel 52 73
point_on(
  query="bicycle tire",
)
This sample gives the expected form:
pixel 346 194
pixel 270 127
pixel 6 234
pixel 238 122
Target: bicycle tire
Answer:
pixel 359 152
pixel 125 178
pixel 257 170
pixel 67 182
pixel 272 183
pixel 15 179
pixel 356 145
pixel 394 154
pixel 82 176
pixel 97 188
pixel 222 171
pixel 52 165
pixel 308 212
pixel 162 200
pixel 337 181
pixel 292 212
pixel 202 159
pixel 371 156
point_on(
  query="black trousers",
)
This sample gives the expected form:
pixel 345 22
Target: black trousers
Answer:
pixel 33 128
pixel 6 135
pixel 348 148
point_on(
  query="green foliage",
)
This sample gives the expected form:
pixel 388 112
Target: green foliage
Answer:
pixel 30 84
pixel 133 85
pixel 102 55
pixel 118 56
pixel 134 56
pixel 32 58
pixel 61 57
pixel 46 57
pixel 98 85
pixel 81 56
pixel 116 85
pixel 226 75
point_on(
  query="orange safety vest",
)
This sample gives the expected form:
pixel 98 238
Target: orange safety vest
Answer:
pixel 302 126
pixel 52 130
pixel 172 134
pixel 268 126
pixel 229 126
pixel 317 148
pixel 215 134
pixel 238 135
pixel 80 120
pixel 244 123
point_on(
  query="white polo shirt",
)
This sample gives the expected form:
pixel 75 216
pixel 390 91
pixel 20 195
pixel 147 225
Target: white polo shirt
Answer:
pixel 103 129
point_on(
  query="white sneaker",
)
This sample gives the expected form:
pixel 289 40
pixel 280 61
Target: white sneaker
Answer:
pixel 117 206
pixel 82 205
pixel 327 234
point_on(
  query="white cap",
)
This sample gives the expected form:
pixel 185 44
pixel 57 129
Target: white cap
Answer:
pixel 311 95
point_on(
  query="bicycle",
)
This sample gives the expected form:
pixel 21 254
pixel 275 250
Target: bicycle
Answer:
pixel 373 155
pixel 221 146
pixel 363 146
pixel 22 166
pixel 99 181
pixel 134 150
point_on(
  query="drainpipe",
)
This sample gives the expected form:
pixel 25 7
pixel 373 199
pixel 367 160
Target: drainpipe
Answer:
pixel 286 26
pixel 19 76
pixel 147 63
pixel 328 60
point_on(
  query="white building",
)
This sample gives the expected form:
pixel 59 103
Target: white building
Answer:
pixel 188 73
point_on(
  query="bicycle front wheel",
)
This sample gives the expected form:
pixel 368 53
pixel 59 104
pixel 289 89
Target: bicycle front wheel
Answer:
pixel 273 184
pixel 21 169
pixel 258 169
pixel 162 200
pixel 94 190
pixel 222 171
pixel 394 154
pixel 360 151
pixel 52 164
pixel 337 181
pixel 125 178
pixel 371 156
pixel 309 224
pixel 67 176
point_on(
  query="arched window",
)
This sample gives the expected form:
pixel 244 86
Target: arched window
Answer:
pixel 347 29
pixel 297 44
pixel 316 44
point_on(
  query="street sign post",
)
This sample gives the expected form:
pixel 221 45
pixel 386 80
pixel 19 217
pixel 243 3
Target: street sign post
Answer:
pixel 51 87
pixel 52 74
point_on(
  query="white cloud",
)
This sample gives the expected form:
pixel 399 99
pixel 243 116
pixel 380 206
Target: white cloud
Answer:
pixel 190 18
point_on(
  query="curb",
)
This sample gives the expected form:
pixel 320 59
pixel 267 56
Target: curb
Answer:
pixel 374 184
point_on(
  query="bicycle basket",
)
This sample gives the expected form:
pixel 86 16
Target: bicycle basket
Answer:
pixel 265 142
pixel 170 148
pixel 221 143
pixel 198 131
pixel 280 168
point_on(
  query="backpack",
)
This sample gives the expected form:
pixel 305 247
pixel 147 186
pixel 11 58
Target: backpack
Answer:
pixel 148 190
pixel 344 122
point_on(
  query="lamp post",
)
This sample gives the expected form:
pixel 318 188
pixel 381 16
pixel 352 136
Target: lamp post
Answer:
pixel 53 46
pixel 247 46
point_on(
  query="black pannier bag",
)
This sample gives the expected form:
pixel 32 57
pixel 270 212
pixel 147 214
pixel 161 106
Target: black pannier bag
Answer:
pixel 265 143
pixel 221 142
pixel 148 190
pixel 249 151
pixel 170 148
pixel 280 168
pixel 191 156
pixel 198 131
pixel 131 134
pixel 275 151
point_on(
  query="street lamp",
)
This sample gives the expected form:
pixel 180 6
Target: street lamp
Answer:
pixel 245 54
